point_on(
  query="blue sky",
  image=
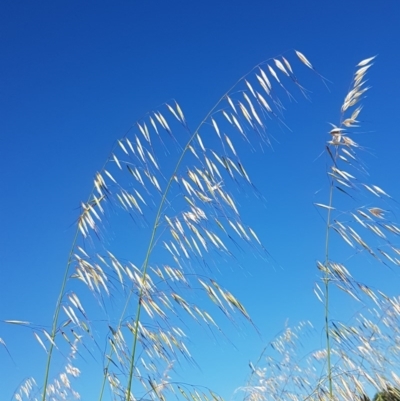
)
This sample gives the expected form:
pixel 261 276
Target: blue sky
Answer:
pixel 76 75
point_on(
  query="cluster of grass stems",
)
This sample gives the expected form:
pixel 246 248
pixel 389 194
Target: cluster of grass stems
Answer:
pixel 169 222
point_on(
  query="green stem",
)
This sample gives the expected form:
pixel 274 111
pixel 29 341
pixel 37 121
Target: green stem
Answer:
pixel 326 280
pixel 59 302
pixel 155 228
pixel 152 239
pixel 55 319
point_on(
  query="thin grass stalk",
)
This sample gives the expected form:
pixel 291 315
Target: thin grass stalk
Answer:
pixel 149 250
pixel 326 280
pixel 59 302
pixel 56 315
pixel 154 231
pixel 355 357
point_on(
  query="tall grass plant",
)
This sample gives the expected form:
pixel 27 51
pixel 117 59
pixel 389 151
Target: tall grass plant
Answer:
pixel 164 216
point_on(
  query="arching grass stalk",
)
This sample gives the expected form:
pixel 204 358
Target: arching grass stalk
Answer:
pixel 165 194
pixel 154 232
pixel 149 250
pixel 60 299
pixel 54 327
pixel 152 241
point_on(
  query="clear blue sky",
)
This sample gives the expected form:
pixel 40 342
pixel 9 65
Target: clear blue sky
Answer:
pixel 76 75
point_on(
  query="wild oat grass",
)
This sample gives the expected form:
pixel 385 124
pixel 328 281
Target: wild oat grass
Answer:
pixel 362 356
pixel 148 233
